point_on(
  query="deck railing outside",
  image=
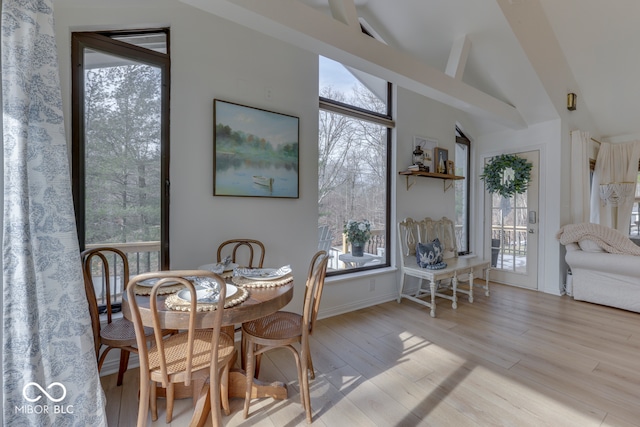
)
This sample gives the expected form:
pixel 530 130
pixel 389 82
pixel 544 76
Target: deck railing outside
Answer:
pixel 142 256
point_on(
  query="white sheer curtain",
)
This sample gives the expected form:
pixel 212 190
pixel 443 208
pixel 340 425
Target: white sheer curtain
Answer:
pixel 580 192
pixel 50 375
pixel 615 163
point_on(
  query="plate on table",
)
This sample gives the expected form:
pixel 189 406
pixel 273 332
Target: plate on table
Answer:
pixel 212 266
pixel 265 274
pixel 202 294
pixel 148 283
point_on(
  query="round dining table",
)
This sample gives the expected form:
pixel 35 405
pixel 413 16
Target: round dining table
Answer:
pixel 260 302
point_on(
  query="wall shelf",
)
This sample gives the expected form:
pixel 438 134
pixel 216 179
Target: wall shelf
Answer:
pixel 447 179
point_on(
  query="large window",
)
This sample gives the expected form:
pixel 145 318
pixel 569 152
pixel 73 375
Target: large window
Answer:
pixel 120 152
pixel 462 165
pixel 354 164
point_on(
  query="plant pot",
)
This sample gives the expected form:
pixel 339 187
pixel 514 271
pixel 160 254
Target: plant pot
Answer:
pixel 357 249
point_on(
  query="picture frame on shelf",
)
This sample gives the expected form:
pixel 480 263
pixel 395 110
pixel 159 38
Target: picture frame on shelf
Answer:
pixel 440 158
pixel 255 152
pixel 451 167
pixel 427 145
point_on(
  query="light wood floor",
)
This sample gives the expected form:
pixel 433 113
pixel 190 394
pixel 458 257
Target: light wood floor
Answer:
pixel 517 358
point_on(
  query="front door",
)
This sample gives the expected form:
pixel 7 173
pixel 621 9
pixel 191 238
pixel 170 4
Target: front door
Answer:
pixel 513 232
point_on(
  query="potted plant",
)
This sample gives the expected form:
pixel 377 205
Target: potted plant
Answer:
pixel 358 233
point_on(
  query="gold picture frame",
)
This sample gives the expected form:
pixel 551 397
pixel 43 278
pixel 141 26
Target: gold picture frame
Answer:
pixel 451 167
pixel 440 158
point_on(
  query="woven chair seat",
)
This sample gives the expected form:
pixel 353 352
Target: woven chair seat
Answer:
pixel 175 348
pixel 281 325
pixel 121 332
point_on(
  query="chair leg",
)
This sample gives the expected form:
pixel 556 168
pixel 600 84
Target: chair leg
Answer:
pixel 143 404
pixel 249 373
pixel 170 400
pixel 312 372
pixel 103 356
pixel 153 398
pixel 258 358
pixel 224 388
pixel 214 394
pixel 304 382
pixel 243 354
pixel 124 363
pixel 302 373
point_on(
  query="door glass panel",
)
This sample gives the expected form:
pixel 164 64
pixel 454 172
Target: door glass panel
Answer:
pixel 122 161
pixel 509 232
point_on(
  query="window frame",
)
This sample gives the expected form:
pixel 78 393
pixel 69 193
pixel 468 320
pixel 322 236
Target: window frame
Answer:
pixel 385 120
pixel 462 139
pixel 103 41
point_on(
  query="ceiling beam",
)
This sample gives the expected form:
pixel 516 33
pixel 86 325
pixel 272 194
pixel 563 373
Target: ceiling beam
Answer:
pixel 305 27
pixel 458 58
pixel 345 12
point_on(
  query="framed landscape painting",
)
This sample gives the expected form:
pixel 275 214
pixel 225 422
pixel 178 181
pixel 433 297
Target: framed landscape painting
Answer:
pixel 255 152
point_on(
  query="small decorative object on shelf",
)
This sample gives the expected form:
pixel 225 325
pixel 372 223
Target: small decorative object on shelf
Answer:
pixel 440 157
pixel 451 167
pixel 358 233
pixel 418 156
pixel 507 175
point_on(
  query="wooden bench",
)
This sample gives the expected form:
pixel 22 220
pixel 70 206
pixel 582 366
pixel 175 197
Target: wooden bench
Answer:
pixel 458 270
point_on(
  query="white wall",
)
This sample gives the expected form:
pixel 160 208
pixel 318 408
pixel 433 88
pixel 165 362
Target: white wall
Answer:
pixel 545 137
pixel 213 58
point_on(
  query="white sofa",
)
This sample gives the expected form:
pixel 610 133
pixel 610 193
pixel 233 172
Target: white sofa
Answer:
pixel 605 278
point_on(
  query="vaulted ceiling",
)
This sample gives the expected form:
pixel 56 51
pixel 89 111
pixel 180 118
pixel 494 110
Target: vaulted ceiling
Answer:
pixel 517 59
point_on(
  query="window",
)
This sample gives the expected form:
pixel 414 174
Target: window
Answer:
pixel 354 163
pixel 120 143
pixel 634 227
pixel 462 193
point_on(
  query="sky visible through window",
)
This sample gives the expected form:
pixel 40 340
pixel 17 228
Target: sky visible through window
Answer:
pixel 351 86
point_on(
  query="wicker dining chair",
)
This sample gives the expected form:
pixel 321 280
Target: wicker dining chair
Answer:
pixel 283 329
pixel 238 248
pixel 190 356
pixel 119 332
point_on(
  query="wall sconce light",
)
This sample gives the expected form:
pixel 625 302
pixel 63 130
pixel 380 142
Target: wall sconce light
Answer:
pixel 571 101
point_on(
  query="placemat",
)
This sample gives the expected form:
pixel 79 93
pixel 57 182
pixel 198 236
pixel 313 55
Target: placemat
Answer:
pixel 169 289
pixel 248 283
pixel 174 302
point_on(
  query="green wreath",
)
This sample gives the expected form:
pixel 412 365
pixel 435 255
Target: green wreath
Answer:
pixel 515 182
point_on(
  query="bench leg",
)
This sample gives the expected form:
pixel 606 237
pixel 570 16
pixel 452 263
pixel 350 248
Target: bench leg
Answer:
pixel 486 282
pixel 433 298
pixel 471 286
pixel 401 290
pixel 454 285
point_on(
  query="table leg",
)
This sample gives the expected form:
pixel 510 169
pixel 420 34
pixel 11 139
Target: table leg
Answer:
pixel 238 384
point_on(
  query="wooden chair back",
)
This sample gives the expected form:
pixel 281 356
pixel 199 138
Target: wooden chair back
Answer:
pixel 313 292
pixel 97 260
pixel 159 320
pixel 238 249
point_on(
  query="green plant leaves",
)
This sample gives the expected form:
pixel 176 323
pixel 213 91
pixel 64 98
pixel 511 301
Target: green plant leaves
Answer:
pixel 507 184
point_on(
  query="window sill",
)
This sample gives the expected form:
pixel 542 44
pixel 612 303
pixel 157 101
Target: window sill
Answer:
pixel 359 274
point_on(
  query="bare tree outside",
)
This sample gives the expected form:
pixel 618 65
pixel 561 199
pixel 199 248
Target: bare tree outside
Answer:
pixel 352 164
pixel 122 154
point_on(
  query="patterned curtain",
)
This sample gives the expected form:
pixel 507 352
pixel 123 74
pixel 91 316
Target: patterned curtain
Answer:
pixel 50 374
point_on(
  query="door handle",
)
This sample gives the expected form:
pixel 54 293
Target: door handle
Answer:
pixel 531 231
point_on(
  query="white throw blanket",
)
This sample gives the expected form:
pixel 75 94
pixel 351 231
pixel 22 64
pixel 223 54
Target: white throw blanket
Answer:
pixel 607 238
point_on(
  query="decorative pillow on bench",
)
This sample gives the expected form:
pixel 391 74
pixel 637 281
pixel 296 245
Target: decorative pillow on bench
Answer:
pixel 429 255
